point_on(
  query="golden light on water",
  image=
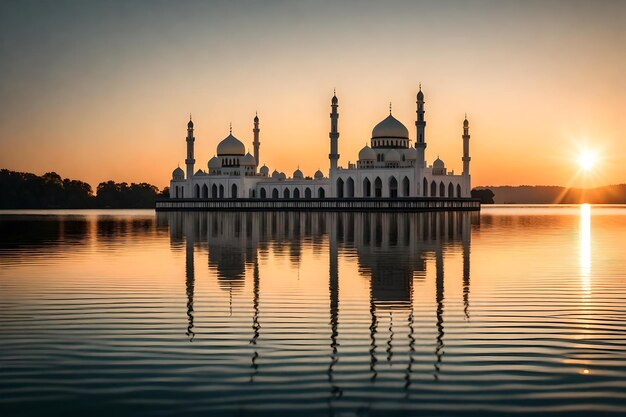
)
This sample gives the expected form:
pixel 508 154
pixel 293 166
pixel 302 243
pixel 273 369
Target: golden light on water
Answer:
pixel 585 247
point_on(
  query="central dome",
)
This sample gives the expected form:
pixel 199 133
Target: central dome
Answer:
pixel 390 128
pixel 231 146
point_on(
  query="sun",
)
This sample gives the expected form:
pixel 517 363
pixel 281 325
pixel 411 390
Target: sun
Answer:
pixel 586 160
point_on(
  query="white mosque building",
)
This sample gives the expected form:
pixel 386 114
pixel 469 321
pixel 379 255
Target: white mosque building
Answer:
pixel 391 167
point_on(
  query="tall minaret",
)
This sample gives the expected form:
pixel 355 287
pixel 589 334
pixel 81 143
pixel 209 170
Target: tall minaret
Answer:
pixel 190 161
pixel 466 158
pixel 420 125
pixel 256 142
pixel 334 134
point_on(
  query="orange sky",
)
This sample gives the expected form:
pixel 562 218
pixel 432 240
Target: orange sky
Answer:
pixel 103 91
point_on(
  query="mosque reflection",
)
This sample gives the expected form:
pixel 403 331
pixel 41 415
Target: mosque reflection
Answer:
pixel 391 249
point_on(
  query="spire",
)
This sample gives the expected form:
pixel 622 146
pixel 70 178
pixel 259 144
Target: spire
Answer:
pixel 390 108
pixel 231 127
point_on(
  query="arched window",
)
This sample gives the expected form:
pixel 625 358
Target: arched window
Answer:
pixel 286 193
pixel 378 187
pixel 296 193
pixel 321 193
pixel 367 187
pixel 233 191
pixel 458 190
pixel 433 189
pixel 275 193
pixel 442 190
pixel 263 193
pixel 339 188
pixel 177 191
pixel 350 188
pixel 205 191
pixel 196 191
pixel 406 187
pixel 214 191
pixel 450 190
pixel 425 188
pixel 221 191
pixel 307 192
pixel 393 187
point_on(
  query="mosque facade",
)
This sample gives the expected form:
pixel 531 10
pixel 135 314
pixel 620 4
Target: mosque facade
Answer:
pixel 391 166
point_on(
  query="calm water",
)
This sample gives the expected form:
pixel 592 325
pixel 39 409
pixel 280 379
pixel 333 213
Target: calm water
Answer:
pixel 518 310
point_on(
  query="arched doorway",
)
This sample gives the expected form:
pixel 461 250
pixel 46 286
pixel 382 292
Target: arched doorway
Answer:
pixel 205 191
pixel 393 187
pixel 286 193
pixel 196 191
pixel 307 192
pixel 296 193
pixel 214 191
pixel 321 193
pixel 340 188
pixel 263 193
pixel 406 187
pixel 442 189
pixel 221 191
pixel 450 190
pixel 378 187
pixel 433 189
pixel 458 191
pixel 350 188
pixel 367 187
pixel 425 188
pixel 275 193
pixel 233 191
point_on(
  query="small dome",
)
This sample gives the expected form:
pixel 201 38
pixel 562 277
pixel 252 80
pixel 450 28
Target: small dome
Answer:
pixel 465 122
pixel 319 175
pixel 297 174
pixel 390 128
pixel 190 124
pixel 231 146
pixel 256 117
pixel 178 174
pixel 199 173
pixel 410 154
pixel 334 100
pixel 392 156
pixel 438 164
pixel 367 154
pixel 282 176
pixel 276 175
pixel 214 163
pixel 420 95
pixel 264 170
pixel 248 160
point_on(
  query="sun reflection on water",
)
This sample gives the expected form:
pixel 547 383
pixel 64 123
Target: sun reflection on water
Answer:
pixel 585 248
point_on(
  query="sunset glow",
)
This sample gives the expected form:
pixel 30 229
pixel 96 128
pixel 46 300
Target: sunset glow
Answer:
pixel 104 92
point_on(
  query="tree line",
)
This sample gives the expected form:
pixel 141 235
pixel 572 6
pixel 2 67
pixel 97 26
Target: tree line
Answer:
pixel 23 190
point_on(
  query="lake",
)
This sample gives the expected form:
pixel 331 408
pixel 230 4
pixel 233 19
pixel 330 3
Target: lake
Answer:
pixel 516 310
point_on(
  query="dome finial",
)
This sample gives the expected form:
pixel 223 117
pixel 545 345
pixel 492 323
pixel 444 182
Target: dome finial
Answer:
pixel 420 86
pixel 390 107
pixel 231 127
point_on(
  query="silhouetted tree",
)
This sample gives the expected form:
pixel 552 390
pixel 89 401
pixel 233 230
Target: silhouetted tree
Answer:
pixel 484 194
pixel 26 190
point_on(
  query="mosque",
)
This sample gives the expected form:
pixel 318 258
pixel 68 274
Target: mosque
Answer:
pixel 391 167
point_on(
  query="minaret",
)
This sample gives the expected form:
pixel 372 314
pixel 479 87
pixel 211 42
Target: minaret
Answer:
pixel 256 142
pixel 190 161
pixel 334 134
pixel 420 125
pixel 466 157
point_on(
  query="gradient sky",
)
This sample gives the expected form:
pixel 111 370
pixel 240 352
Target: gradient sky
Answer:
pixel 103 90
